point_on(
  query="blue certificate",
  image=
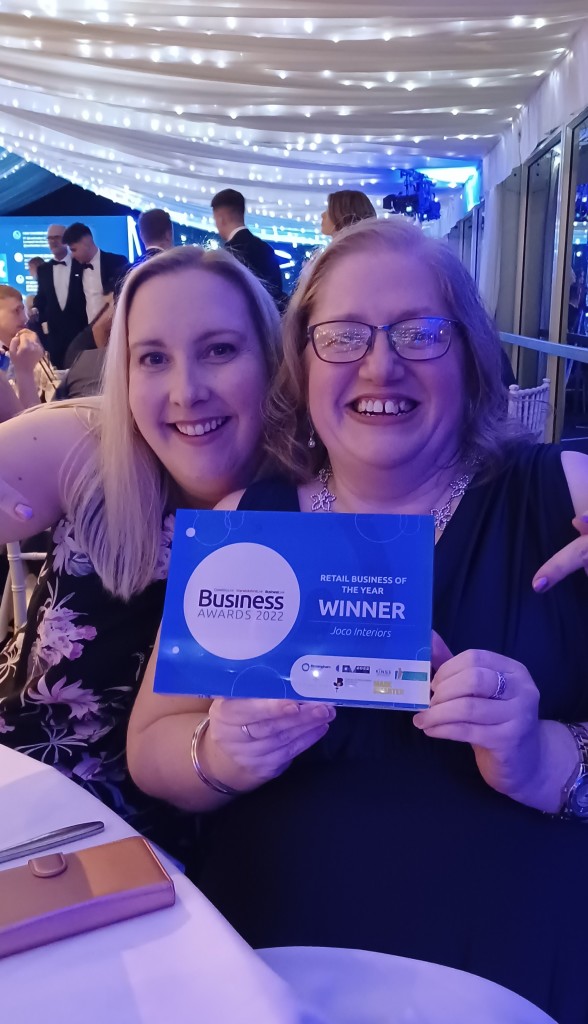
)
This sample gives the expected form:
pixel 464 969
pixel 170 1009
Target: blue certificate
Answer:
pixel 306 606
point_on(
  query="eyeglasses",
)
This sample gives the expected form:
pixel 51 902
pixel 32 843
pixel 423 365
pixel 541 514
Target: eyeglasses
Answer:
pixel 347 341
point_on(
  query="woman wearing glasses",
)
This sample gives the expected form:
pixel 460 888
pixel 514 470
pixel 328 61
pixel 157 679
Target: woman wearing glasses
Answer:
pixel 441 835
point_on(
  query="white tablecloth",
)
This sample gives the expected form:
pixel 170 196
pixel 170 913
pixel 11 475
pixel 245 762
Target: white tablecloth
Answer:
pixel 182 964
pixel 186 965
pixel 351 986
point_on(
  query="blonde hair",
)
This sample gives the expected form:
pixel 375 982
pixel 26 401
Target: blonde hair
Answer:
pixel 485 430
pixel 118 496
pixel 348 207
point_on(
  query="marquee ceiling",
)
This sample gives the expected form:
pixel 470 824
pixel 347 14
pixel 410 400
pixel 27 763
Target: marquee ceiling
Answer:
pixel 165 103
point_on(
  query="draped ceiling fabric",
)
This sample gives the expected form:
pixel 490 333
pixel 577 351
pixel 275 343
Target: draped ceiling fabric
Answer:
pixel 561 96
pixel 21 182
pixel 164 103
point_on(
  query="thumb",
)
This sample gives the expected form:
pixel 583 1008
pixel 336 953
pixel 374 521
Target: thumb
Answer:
pixel 440 652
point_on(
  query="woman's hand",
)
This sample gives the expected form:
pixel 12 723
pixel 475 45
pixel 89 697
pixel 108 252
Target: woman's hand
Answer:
pixel 262 737
pixel 471 704
pixel 566 561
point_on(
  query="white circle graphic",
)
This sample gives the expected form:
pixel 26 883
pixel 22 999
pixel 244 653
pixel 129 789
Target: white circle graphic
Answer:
pixel 241 601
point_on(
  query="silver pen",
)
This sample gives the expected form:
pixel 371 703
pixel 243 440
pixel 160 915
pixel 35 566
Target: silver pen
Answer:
pixel 50 839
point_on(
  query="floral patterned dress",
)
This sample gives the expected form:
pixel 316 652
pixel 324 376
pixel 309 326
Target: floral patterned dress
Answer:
pixel 69 678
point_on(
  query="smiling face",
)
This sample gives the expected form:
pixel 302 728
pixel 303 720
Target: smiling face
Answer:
pixel 384 411
pixel 197 379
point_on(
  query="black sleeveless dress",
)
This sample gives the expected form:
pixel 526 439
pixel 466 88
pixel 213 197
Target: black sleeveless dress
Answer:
pixel 69 678
pixel 382 838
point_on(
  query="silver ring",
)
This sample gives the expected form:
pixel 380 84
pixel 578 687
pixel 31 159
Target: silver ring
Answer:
pixel 500 688
pixel 245 729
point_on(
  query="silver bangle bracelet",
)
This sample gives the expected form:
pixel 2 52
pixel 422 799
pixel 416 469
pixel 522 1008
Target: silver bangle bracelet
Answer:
pixel 212 783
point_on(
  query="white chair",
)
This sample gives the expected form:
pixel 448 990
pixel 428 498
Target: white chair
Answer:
pixel 531 407
pixel 16 593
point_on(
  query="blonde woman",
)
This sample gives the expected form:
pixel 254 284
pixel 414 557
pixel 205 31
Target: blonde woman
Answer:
pixel 345 208
pixel 193 348
pixel 446 836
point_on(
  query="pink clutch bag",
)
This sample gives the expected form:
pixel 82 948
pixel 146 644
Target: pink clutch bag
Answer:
pixel 63 894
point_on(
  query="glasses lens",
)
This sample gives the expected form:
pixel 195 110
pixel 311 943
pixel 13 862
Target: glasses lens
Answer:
pixel 423 338
pixel 341 341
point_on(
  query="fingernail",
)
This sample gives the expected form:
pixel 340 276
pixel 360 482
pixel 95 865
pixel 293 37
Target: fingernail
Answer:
pixel 23 511
pixel 320 712
pixel 292 709
pixel 417 720
pixel 540 584
pixel 584 517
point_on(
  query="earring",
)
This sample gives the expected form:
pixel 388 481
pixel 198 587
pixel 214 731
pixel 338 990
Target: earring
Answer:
pixel 311 440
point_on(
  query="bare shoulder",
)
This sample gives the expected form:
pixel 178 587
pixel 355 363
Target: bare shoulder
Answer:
pixel 34 447
pixel 230 503
pixel 575 467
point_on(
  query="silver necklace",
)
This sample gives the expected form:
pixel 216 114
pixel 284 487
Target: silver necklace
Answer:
pixel 323 500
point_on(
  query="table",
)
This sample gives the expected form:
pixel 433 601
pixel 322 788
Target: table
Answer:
pixel 182 964
pixel 352 986
pixel 186 965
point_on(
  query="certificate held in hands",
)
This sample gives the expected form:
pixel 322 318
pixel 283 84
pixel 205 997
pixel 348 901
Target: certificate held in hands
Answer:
pixel 294 605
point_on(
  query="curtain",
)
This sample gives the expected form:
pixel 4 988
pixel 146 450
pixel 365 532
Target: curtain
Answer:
pixel 490 262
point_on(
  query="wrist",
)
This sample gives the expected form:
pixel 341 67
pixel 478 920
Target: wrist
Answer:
pixel 218 765
pixel 556 761
pixel 23 376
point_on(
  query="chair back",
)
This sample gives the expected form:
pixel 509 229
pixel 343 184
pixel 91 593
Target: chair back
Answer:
pixel 531 407
pixel 14 603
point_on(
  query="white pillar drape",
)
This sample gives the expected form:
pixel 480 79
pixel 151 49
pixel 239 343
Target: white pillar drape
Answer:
pixel 562 96
pixel 489 282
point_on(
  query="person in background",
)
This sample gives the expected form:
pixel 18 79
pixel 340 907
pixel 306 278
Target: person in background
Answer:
pixel 29 301
pixel 20 354
pixel 228 210
pixel 34 264
pixel 60 298
pixel 156 232
pixel 344 208
pixel 446 835
pixel 179 423
pixel 99 271
pixel 85 357
pixel 95 335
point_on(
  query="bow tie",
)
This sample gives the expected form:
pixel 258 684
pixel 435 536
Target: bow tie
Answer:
pixel 87 266
pixel 58 263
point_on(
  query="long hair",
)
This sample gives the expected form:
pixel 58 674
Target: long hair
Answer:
pixel 117 491
pixel 348 207
pixel 485 432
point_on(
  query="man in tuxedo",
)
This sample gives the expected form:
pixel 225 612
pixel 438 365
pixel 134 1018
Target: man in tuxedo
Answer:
pixel 99 271
pixel 60 297
pixel 156 232
pixel 228 208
